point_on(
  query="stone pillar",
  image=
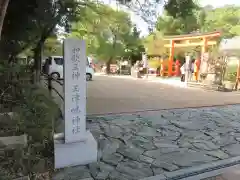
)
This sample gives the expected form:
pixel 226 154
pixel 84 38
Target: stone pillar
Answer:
pixel 79 146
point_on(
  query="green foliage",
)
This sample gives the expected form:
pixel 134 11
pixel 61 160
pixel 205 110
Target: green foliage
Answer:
pixel 206 19
pixel 33 23
pixel 154 44
pixel 134 45
pixel 231 71
pixel 154 63
pixel 109 33
pixel 180 8
pixel 148 9
pixel 35 110
pixel 28 27
pixel 224 19
pixel 36 113
pixel 231 77
pixel 52 47
pixel 16 32
pixel 168 25
pixel 4 175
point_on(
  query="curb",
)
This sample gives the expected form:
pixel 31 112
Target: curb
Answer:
pixel 163 109
pixel 213 174
pixel 213 90
pixel 203 171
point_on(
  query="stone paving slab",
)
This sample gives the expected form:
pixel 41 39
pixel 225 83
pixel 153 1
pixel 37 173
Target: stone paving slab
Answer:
pixel 137 146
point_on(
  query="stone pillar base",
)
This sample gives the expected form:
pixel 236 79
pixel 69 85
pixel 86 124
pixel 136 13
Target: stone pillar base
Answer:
pixel 73 154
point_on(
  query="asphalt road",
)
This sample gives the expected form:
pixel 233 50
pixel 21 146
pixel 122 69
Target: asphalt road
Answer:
pixel 106 95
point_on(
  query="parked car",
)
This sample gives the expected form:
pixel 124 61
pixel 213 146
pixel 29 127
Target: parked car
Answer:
pixel 53 66
pixel 124 70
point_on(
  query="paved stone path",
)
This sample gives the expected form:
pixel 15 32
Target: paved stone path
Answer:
pixel 141 145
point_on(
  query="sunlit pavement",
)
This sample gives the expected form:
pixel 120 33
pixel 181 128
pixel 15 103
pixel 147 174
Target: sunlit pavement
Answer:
pixel 118 95
pixel 106 95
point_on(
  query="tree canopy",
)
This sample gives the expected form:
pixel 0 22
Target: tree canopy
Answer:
pixel 174 7
pixel 203 19
pixel 206 19
pixel 111 36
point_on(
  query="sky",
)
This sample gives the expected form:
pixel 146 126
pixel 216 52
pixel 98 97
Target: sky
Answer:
pixel 218 3
pixel 143 26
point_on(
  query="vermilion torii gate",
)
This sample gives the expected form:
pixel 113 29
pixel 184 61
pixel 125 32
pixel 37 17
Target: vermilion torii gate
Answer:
pixel 189 40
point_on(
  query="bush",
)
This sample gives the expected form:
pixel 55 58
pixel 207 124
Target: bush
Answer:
pixel 34 108
pixel 231 77
pixel 36 113
pixel 153 63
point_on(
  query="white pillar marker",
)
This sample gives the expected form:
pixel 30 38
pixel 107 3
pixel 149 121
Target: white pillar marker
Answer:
pixel 79 146
pixel 74 90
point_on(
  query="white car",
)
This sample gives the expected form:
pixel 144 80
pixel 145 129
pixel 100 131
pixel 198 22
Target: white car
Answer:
pixel 53 66
pixel 89 72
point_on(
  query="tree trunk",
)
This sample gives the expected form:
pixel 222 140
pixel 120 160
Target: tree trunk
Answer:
pixel 38 61
pixel 108 70
pixel 3 10
pixel 111 58
pixel 38 53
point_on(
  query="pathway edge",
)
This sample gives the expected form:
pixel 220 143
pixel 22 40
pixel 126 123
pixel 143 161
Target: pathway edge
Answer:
pixel 196 171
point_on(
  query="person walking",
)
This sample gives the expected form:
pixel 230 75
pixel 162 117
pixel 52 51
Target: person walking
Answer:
pixel 183 70
pixel 191 69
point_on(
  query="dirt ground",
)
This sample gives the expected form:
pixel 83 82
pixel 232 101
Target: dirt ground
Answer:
pixel 107 95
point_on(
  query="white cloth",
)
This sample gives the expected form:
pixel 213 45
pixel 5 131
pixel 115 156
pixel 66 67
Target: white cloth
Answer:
pixel 183 69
